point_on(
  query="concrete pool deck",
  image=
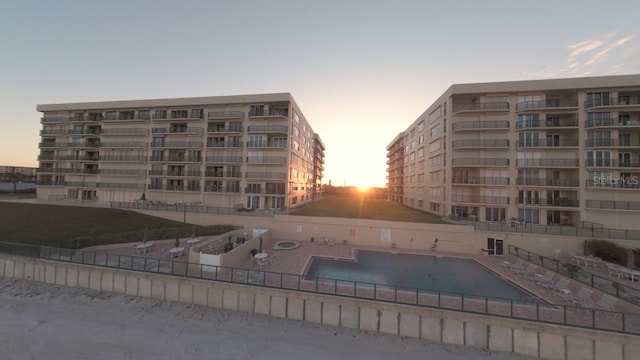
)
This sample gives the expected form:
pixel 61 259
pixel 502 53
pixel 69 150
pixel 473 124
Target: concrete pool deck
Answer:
pixel 295 261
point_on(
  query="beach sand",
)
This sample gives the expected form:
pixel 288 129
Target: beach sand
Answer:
pixel 44 321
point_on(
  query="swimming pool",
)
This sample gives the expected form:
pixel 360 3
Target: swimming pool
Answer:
pixel 445 274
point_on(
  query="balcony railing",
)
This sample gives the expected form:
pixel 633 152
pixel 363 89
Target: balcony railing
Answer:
pixel 481 125
pixel 481 180
pixel 268 129
pixel 224 144
pixel 613 205
pixel 547 163
pixel 610 122
pixel 548 202
pixel 124 131
pixel 274 112
pixel 83 132
pixel 51 132
pixel 549 123
pixel 123 158
pixel 224 129
pixel 103 185
pixel 619 101
pixel 546 104
pixel 483 143
pixel 480 162
pixel 54 119
pixel 178 130
pixel 279 160
pixel 612 142
pixel 224 159
pixel 125 144
pixel 612 163
pixel 178 144
pixel 126 172
pixel 471 199
pixel 547 143
pixel 225 114
pixel 483 106
pixel 177 158
pixel 176 173
pixel 222 174
pixel 548 182
pixel 265 144
pixel 173 187
pixel 266 175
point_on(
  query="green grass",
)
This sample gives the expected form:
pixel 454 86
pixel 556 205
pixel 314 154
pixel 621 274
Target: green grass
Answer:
pixel 53 225
pixel 364 208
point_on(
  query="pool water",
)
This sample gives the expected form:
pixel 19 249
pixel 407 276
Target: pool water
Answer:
pixel 445 274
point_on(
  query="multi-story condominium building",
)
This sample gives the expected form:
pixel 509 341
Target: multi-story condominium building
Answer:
pixel 563 151
pixel 248 151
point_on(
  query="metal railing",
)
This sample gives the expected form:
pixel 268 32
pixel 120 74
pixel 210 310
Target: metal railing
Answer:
pixel 617 289
pixel 199 209
pixel 528 310
pixel 560 230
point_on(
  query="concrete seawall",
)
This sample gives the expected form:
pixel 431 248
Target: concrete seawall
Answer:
pixel 451 327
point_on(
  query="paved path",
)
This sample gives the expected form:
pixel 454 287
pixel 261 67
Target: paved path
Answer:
pixel 43 321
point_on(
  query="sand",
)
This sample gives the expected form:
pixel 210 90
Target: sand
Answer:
pixel 44 321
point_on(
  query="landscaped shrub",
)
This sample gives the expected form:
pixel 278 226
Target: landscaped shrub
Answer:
pixel 607 251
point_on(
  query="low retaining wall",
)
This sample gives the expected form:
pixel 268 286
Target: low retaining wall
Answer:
pixel 496 334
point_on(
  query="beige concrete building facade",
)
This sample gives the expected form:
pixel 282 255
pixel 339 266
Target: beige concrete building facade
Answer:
pixel 552 152
pixel 247 151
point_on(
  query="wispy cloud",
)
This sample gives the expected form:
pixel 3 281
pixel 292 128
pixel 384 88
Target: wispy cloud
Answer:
pixel 609 53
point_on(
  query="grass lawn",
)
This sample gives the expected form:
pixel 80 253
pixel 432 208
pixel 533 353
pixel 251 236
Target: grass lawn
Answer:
pixel 364 208
pixel 53 225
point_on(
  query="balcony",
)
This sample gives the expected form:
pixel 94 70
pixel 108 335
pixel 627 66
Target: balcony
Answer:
pixel 593 143
pixel 613 205
pixel 548 123
pixel 480 162
pixel 178 130
pixel 471 199
pixel 621 101
pixel 224 129
pixel 178 158
pixel 224 159
pixel 224 144
pixel 272 113
pixel 547 182
pixel 122 172
pixel 54 119
pixel 482 143
pixel 264 160
pixel 547 163
pixel 556 104
pixel 481 107
pixel 52 132
pixel 222 174
pixel 178 144
pixel 123 158
pixel 611 122
pixel 265 144
pixel 176 173
pixel 225 115
pixel 163 187
pixel 131 145
pixel 266 175
pixel 125 131
pixel 48 182
pixel 84 132
pixel 613 163
pixel 562 202
pixel 480 125
pixel 279 129
pixel 481 180
pixel 552 143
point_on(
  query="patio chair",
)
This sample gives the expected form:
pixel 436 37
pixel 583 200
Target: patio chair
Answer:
pixel 607 302
pixel 558 286
pixel 614 271
pixel 529 271
pixel 546 279
pixel 581 298
pixel 516 266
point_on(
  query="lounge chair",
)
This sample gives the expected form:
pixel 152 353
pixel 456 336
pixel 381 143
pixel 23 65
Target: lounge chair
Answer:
pixel 615 271
pixel 559 286
pixel 546 279
pixel 516 266
pixel 581 298
pixel 529 271
pixel 607 302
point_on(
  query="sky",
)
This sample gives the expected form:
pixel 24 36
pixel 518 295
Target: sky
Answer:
pixel 361 71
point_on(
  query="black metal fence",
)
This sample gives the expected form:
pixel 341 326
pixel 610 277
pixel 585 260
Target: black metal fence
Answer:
pixel 522 310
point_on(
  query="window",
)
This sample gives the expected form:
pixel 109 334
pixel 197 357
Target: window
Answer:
pixel 598 158
pixel 435 130
pixel 421 139
pixel 597 99
pixel 253 202
pixel 256 110
pixel 253 189
pixel 111 115
pixel 235 126
pixel 531 216
pixel 197 113
pixel 179 114
pixel 144 115
pixel 160 114
pixel 421 126
pixel 495 214
pixel 529 197
pixel 526 139
pixel 233 186
pixel 527 121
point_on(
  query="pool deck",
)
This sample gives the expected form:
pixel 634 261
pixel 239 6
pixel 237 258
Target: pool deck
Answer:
pixel 296 261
